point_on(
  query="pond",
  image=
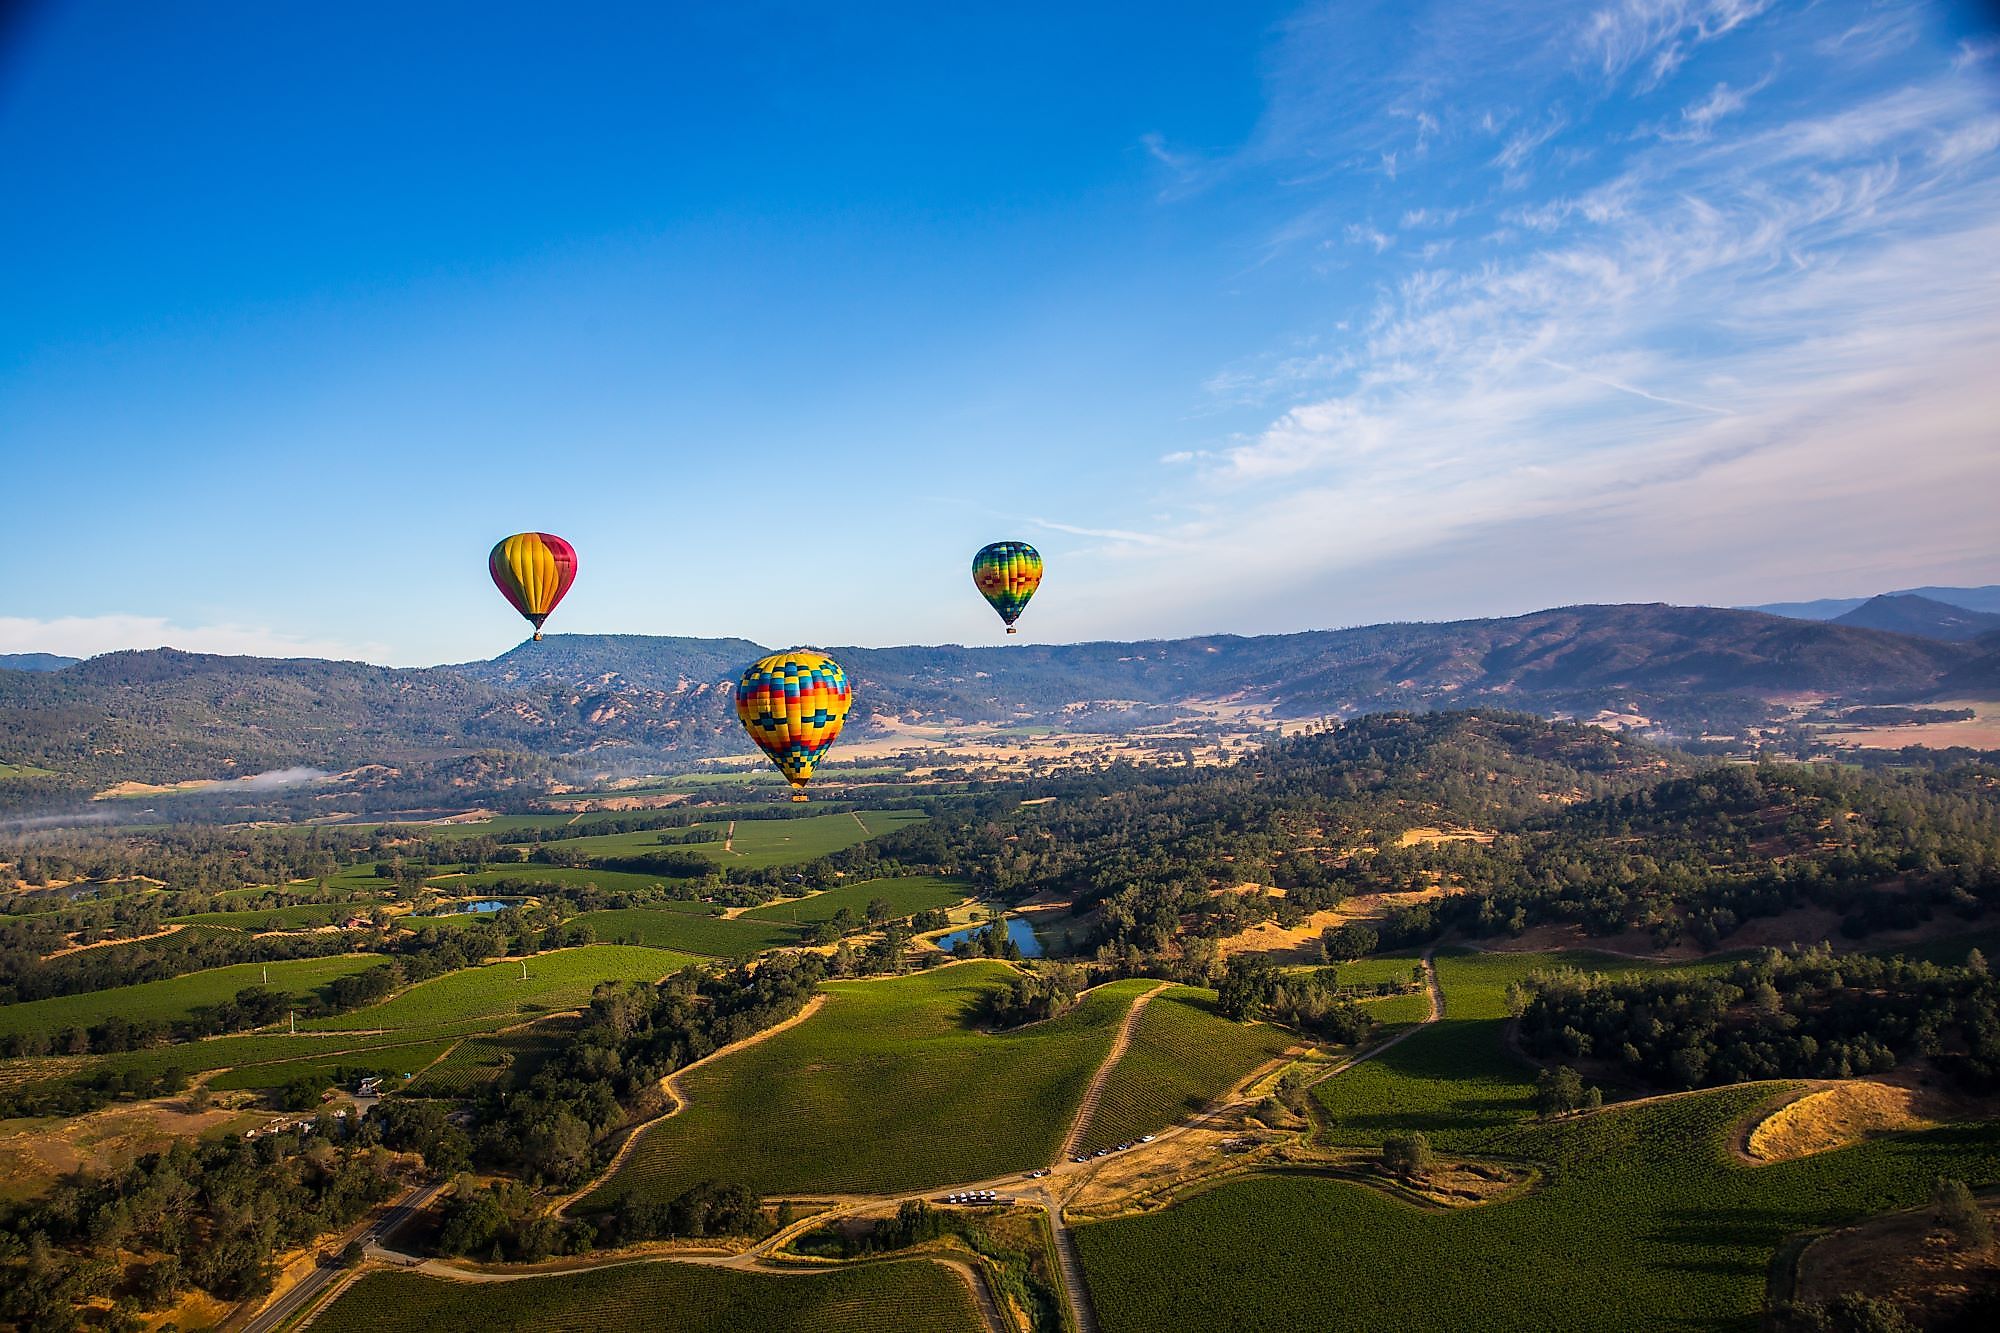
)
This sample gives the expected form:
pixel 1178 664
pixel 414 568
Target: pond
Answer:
pixel 483 906
pixel 1018 930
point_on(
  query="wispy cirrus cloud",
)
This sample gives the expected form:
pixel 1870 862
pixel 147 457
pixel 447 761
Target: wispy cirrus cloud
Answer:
pixel 1729 328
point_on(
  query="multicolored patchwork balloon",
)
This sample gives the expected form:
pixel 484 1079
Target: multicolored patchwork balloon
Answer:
pixel 793 704
pixel 533 570
pixel 1007 574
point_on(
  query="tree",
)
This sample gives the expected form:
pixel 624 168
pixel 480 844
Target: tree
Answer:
pixel 1955 1209
pixel 1343 943
pixel 1407 1155
pixel 878 910
pixel 1558 1090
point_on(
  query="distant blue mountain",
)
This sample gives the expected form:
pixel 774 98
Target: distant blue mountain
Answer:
pixel 35 662
pixel 1832 608
pixel 1926 617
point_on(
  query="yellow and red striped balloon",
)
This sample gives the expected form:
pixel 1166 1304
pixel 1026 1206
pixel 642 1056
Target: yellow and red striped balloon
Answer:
pixel 533 570
pixel 793 704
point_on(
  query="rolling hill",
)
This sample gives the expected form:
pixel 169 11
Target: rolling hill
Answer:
pixel 597 703
pixel 35 662
pixel 1908 613
pixel 1986 598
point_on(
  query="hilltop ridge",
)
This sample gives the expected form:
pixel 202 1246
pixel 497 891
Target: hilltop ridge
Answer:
pixel 599 703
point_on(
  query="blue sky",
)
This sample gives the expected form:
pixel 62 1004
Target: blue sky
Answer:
pixel 1252 318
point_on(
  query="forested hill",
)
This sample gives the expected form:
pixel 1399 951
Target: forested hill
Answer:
pixel 1568 659
pixel 611 701
pixel 1500 822
pixel 1910 614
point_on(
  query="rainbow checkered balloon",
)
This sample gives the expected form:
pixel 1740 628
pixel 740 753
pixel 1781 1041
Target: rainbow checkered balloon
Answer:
pixel 1007 574
pixel 793 704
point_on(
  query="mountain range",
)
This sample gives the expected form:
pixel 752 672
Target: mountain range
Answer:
pixel 599 704
pixel 1985 599
pixel 1909 613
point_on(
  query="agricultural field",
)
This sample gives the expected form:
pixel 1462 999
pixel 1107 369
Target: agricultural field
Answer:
pixel 889 1086
pixel 1182 1055
pixel 1456 1079
pixel 610 881
pixel 179 997
pixel 636 842
pixel 758 843
pixel 244 1052
pixel 405 1058
pixel 1643 1221
pixel 663 927
pixel 562 979
pixel 912 1296
pixel 478 1061
pixel 1643 1211
pixel 1398 1010
pixel 906 896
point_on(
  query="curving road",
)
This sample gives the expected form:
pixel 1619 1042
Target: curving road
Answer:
pixel 308 1288
pixel 1017 1188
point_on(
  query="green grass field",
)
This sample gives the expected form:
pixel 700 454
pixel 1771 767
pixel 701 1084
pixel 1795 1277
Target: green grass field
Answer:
pixel 906 896
pixel 663 928
pixel 559 980
pixel 907 1297
pixel 1643 1219
pixel 178 997
pixel 8 770
pixel 1182 1055
pixel 886 1088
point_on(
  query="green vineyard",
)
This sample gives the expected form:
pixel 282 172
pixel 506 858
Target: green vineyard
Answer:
pixel 909 1297
pixel 889 1087
pixel 1182 1055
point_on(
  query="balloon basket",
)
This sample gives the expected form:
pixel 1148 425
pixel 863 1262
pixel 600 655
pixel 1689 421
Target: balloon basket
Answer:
pixel 798 796
pixel 538 636
pixel 1012 630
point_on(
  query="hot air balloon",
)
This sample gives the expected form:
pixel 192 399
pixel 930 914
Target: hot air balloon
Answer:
pixel 1007 574
pixel 533 570
pixel 793 704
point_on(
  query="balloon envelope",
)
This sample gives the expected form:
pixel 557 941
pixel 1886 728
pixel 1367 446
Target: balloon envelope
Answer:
pixel 1007 574
pixel 793 704
pixel 533 570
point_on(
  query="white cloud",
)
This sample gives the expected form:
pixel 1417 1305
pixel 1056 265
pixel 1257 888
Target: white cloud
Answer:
pixel 1105 534
pixel 87 636
pixel 1697 119
pixel 1659 33
pixel 1749 348
pixel 1361 234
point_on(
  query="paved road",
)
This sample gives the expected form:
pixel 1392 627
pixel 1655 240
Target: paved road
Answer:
pixel 300 1297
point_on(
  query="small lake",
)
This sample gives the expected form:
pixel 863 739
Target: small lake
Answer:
pixel 482 907
pixel 1018 930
